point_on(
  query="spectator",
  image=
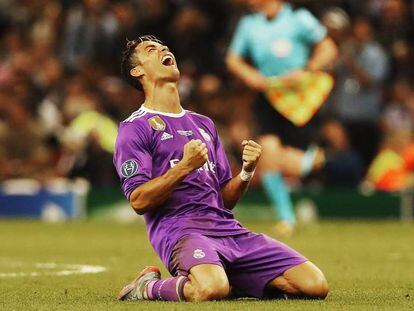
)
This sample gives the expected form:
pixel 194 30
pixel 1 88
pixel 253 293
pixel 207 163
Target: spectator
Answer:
pixel 361 73
pixel 344 166
pixel 89 33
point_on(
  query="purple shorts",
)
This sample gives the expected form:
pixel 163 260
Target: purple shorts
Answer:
pixel 250 260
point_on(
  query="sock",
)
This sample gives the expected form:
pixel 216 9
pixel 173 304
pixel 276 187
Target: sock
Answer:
pixel 278 194
pixel 171 289
pixel 308 160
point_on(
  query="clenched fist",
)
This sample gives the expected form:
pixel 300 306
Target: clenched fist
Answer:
pixel 251 154
pixel 195 154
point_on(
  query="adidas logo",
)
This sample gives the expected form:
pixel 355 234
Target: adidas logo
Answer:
pixel 166 136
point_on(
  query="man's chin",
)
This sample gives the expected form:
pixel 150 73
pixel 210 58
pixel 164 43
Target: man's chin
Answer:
pixel 173 76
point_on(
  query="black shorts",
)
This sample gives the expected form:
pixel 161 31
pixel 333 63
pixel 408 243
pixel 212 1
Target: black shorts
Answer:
pixel 268 121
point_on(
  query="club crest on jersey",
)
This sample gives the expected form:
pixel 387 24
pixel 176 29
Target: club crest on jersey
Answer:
pixel 157 123
pixel 198 254
pixel 205 135
pixel 129 168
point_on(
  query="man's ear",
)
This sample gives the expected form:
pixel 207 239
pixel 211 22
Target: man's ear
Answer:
pixel 136 72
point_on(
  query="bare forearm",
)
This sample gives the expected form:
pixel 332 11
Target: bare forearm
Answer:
pixel 233 191
pixel 324 54
pixel 155 192
pixel 245 72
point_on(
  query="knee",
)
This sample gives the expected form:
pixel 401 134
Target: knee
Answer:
pixel 316 287
pixel 213 291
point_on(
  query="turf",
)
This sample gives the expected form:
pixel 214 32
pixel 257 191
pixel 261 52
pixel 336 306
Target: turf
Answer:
pixel 369 265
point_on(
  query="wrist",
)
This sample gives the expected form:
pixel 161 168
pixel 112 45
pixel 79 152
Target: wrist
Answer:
pixel 246 175
pixel 183 167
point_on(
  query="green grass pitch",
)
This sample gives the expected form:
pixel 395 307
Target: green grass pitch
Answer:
pixel 369 266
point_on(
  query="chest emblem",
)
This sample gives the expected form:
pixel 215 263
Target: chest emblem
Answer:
pixel 282 48
pixel 205 135
pixel 157 123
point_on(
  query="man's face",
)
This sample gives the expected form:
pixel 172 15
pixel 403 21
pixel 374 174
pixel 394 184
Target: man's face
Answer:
pixel 156 63
pixel 362 31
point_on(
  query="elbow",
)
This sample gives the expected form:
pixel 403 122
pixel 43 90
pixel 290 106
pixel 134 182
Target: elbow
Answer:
pixel 332 47
pixel 138 207
pixel 138 203
pixel 230 62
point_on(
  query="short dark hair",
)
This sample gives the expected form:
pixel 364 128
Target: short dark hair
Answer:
pixel 128 62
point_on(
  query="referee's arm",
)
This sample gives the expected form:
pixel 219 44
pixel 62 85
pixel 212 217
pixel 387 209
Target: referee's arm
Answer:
pixel 324 54
pixel 245 72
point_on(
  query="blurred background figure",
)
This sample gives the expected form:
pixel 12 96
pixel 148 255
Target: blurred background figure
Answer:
pixel 280 42
pixel 344 166
pixel 361 73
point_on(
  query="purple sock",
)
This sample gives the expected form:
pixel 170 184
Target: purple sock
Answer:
pixel 171 289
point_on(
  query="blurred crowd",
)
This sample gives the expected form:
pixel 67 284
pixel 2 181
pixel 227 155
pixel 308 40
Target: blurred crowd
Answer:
pixel 62 95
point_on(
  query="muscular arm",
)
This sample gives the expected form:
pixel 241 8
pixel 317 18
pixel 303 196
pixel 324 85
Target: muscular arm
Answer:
pixel 155 192
pixel 236 187
pixel 233 191
pixel 324 54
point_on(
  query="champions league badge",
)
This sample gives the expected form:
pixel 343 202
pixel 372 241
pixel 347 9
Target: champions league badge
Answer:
pixel 129 168
pixel 157 123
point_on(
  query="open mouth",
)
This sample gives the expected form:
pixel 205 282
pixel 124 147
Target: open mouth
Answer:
pixel 167 60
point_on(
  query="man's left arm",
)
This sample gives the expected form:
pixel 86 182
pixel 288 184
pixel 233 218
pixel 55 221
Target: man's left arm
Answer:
pixel 324 49
pixel 324 54
pixel 233 190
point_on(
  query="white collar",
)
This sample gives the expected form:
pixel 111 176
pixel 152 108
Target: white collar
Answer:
pixel 168 114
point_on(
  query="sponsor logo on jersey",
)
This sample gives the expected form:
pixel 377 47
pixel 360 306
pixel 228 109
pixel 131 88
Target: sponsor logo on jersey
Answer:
pixel 166 136
pixel 209 166
pixel 205 135
pixel 129 168
pixel 198 254
pixel 185 133
pixel 157 123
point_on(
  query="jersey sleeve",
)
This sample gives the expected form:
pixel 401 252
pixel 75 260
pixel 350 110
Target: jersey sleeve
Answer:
pixel 132 157
pixel 311 30
pixel 240 42
pixel 222 166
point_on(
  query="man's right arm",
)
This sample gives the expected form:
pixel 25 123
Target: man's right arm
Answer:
pixel 236 58
pixel 152 194
pixel 252 77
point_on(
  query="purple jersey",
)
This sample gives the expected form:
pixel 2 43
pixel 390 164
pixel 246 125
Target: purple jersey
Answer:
pixel 149 143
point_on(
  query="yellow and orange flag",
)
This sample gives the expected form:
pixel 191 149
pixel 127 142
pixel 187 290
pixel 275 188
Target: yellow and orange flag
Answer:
pixel 299 101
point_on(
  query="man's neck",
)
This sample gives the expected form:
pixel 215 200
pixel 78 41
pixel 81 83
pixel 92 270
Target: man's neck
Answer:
pixel 163 98
pixel 272 9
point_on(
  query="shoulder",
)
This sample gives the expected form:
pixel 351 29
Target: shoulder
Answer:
pixel 135 127
pixel 249 20
pixel 138 116
pixel 201 118
pixel 305 18
pixel 302 14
